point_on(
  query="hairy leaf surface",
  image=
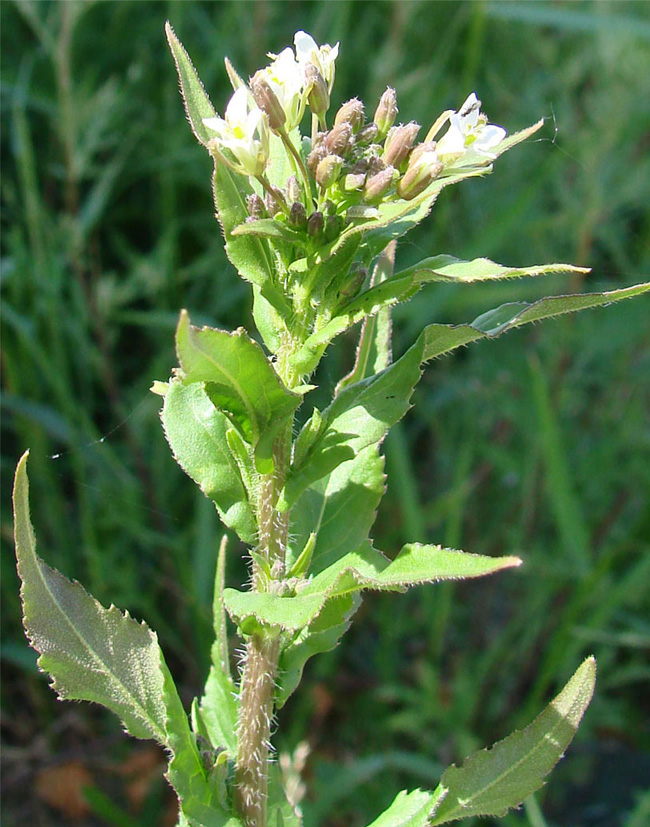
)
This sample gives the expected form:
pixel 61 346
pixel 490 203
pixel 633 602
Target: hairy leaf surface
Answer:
pixel 92 653
pixel 492 781
pixel 407 810
pixel 239 380
pixel 365 568
pixel 196 432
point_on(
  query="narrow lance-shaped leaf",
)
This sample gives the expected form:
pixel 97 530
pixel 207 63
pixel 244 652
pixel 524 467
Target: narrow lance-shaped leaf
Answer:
pixel 405 284
pixel 197 103
pixel 365 568
pixel 92 653
pixel 492 781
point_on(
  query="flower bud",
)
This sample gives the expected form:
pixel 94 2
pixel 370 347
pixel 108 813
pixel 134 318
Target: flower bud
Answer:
pixel 316 156
pixel 318 96
pixel 398 143
pixel 315 224
pixel 339 139
pixel 255 206
pixel 378 184
pixel 333 226
pixel 274 202
pixel 386 112
pixel 368 134
pixel 328 170
pixel 298 215
pixel 424 166
pixel 267 101
pixel 351 112
pixel 293 189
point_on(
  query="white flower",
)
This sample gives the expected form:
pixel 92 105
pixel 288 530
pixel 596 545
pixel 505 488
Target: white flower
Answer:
pixel 286 79
pixel 322 57
pixel 469 130
pixel 244 131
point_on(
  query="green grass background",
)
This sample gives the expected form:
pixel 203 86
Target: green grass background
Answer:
pixel 537 443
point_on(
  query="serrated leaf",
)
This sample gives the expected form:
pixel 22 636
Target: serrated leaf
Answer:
pixel 365 568
pixel 196 432
pixel 92 653
pixel 408 810
pixel 405 284
pixel 197 103
pixel 238 378
pixel 492 781
pixel 438 340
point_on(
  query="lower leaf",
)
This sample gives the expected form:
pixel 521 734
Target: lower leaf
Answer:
pixel 492 781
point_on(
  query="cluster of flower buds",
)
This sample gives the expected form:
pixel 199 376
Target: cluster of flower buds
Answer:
pixel 351 167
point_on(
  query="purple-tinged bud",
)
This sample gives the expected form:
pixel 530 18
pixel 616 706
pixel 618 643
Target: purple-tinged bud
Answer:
pixel 274 202
pixel 354 181
pixel 298 215
pixel 368 134
pixel 351 112
pixel 315 224
pixel 399 142
pixel 267 101
pixel 375 164
pixel 424 166
pixel 316 156
pixel 328 170
pixel 378 184
pixel 333 226
pixel 339 139
pixel 255 207
pixel 329 207
pixel 293 189
pixel 386 112
pixel 317 96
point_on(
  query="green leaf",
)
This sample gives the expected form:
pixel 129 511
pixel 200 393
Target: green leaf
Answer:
pixel 281 812
pixel 492 781
pixel 196 432
pixel 249 255
pixel 437 340
pixel 408 810
pixel 405 284
pixel 92 653
pixel 273 229
pixel 321 635
pixel 198 797
pixel 197 103
pixel 219 706
pixel 365 568
pixel 339 508
pixel 239 380
pixel 517 137
pixel 448 268
pixel 359 416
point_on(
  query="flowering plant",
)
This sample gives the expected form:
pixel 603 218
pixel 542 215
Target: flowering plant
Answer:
pixel 311 222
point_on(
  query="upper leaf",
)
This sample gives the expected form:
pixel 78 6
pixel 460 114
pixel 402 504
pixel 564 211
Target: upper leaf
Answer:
pixel 92 653
pixel 492 781
pixel 239 380
pixel 365 568
pixel 196 432
pixel 197 103
pixel 404 285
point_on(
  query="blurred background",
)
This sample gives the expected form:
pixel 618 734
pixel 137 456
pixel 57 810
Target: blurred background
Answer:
pixel 535 444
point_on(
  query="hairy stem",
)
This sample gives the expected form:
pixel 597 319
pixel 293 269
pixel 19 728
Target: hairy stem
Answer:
pixel 258 687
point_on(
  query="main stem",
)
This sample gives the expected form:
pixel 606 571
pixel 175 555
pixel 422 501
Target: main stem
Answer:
pixel 262 651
